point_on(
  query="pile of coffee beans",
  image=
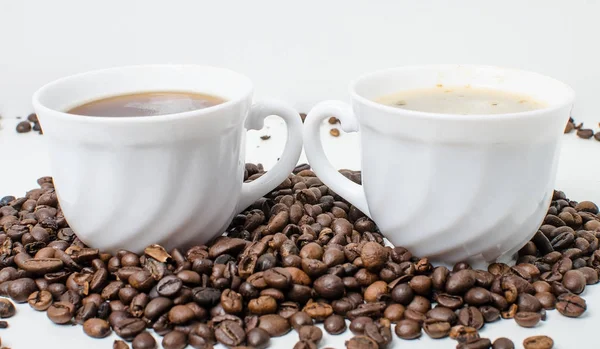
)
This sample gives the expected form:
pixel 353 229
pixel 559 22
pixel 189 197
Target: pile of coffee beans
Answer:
pixel 31 123
pixel 585 133
pixel 301 255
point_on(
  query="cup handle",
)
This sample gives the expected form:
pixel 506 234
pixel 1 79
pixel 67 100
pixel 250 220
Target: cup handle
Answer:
pixel 291 152
pixel 352 192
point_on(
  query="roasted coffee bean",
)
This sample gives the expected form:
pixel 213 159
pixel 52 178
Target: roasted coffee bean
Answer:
pixel 40 300
pixel 527 319
pixel 470 317
pixel 7 308
pixel 87 311
pixel 128 328
pixel 157 307
pixel 262 305
pixel 300 319
pixel 477 296
pixel 310 333
pixel 373 255
pixel 329 286
pixel 442 314
pixel 61 312
pixel 571 305
pixel 402 294
pixel 538 342
pixel 206 296
pixel 394 312
pixel 231 301
pixel 230 333
pixel 20 289
pixel 574 281
pixel 420 304
pixel 463 334
pixel 503 343
pixel 257 338
pixel 450 301
pixel 23 127
pixel 357 325
pixel 305 345
pixel 169 286
pixel 480 343
pixel 436 328
pixel 591 275
pixel 546 299
pixel 175 340
pixel 380 333
pixel 361 342
pixel 376 291
pixel 274 324
pixel 181 314
pixel 489 313
pixel 96 328
pixel 201 336
pixel 528 303
pixel 334 324
pixel 460 282
pixel 143 340
pixel 319 311
pixel 119 344
pixel 408 329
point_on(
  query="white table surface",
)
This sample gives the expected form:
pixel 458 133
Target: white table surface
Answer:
pixel 23 159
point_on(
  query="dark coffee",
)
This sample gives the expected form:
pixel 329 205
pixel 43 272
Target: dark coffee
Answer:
pixel 147 104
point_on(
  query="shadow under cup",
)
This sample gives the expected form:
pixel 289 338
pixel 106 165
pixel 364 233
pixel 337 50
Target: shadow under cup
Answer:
pixel 127 182
pixel 459 187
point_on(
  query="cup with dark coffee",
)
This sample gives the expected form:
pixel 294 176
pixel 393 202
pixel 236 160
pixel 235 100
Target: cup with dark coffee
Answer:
pixel 458 161
pixel 155 154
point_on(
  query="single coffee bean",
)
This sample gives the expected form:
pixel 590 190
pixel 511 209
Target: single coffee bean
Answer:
pixel 329 287
pixel 470 317
pixel 318 311
pixel 527 319
pixel 421 284
pixel 571 305
pixel 119 344
pixel 420 304
pixel 574 281
pixel 40 300
pixel 480 343
pixel 590 274
pixel 7 308
pixel 274 324
pixel 96 328
pixel 436 329
pixel 460 282
pixel 489 313
pixel 144 340
pixel 402 294
pixel 373 255
pixel 278 278
pixel 542 286
pixel 231 301
pixel 128 328
pixel 87 311
pixel 230 333
pixel 175 340
pixel 394 312
pixel 300 319
pixel 181 314
pixel 442 314
pixel 528 303
pixel 258 338
pixel 262 305
pixel 23 127
pixel 546 299
pixel 503 343
pixel 20 289
pixel 157 307
pixel 450 301
pixel 61 312
pixel 334 324
pixel 357 325
pixel 305 345
pixel 464 334
pixel 361 342
pixel 380 332
pixel 310 333
pixel 169 286
pixel 376 291
pixel 408 329
pixel 538 342
pixel 201 336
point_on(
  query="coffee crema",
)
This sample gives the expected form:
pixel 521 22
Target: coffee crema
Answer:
pixel 463 100
pixel 147 104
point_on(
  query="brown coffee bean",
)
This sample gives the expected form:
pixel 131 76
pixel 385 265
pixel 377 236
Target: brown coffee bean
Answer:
pixel 528 303
pixel 477 296
pixel 574 281
pixel 460 282
pixel 394 312
pixel 451 301
pixel 318 311
pixel 421 284
pixel 571 305
pixel 278 278
pixel 310 333
pixel 436 328
pixel 480 343
pixel 144 340
pixel 420 304
pixel 357 325
pixel 305 345
pixel 157 307
pixel 274 324
pixel 258 338
pixel 300 319
pixel 23 127
pixel 412 314
pixel 334 324
pixel 538 342
pixel 361 342
pixel 376 291
pixel 542 286
pixel 463 334
pixel 470 317
pixel 128 328
pixel 527 319
pixel 262 305
pixel 330 286
pixel 119 344
pixel 489 313
pixel 402 294
pixel 40 300
pixel 373 256
pixel 7 308
pixel 231 301
pixel 442 314
pixel 590 274
pixel 181 314
pixel 408 329
pixel 61 312
pixel 175 340
pixel 96 328
pixel 201 336
pixel 20 289
pixel 41 266
pixel 503 343
pixel 169 286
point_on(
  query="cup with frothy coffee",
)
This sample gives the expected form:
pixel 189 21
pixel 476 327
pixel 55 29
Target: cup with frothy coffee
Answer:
pixel 458 161
pixel 155 154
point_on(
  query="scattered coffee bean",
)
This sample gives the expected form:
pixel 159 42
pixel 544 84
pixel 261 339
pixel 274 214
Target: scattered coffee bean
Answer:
pixel 175 340
pixel 7 308
pixel 571 305
pixel 538 342
pixel 527 319
pixel 23 127
pixel 258 338
pixel 310 333
pixel 585 133
pixel 361 342
pixel 334 324
pixel 334 132
pixel 144 340
pixel 61 312
pixel 96 328
pixel 408 329
pixel 503 343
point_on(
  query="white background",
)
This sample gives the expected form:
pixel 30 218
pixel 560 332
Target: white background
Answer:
pixel 301 52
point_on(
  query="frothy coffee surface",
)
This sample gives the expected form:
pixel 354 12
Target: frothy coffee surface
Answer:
pixel 463 100
pixel 147 104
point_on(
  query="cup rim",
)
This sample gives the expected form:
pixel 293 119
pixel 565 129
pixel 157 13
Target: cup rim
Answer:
pixel 43 109
pixel 568 100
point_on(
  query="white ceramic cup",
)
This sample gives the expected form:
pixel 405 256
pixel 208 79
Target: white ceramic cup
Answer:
pixel 176 180
pixel 449 187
